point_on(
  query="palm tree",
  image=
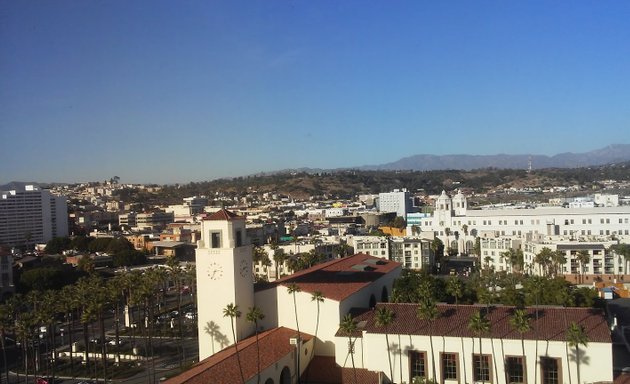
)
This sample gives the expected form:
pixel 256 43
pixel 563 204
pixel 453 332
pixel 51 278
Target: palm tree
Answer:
pixel 318 298
pixel 279 257
pixel 384 317
pixel 479 324
pixel 427 310
pixel 543 259
pixel 454 287
pixel 233 313
pixel 7 311
pixel 292 289
pixel 520 322
pixel 583 258
pixel 576 335
pixel 349 326
pixel 254 315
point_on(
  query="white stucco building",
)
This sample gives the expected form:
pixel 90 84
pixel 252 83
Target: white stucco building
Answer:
pixel 457 226
pixel 449 345
pixel 398 201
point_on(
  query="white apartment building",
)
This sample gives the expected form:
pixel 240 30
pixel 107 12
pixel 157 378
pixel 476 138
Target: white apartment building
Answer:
pixel 398 201
pixel 457 226
pixel 151 220
pixel 411 252
pixel 31 215
pixel 603 263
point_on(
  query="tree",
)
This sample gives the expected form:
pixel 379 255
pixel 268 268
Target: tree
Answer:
pixel 57 245
pixel 543 259
pixel 583 258
pixel 318 298
pixel 279 257
pixel 349 326
pixel 479 324
pixel 292 289
pixel 454 287
pixel 427 310
pixel 233 313
pixel 576 335
pixel 254 315
pixel 520 323
pixel 384 317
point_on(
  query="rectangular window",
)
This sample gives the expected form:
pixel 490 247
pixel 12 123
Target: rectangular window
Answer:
pixel 449 366
pixel 550 370
pixel 239 239
pixel 481 368
pixel 215 239
pixel 417 364
pixel 515 366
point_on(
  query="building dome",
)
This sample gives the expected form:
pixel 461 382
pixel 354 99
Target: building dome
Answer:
pixel 443 203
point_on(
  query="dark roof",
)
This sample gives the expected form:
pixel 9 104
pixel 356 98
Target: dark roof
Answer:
pixel 222 367
pixel 224 215
pixel 552 322
pixel 324 370
pixel 339 278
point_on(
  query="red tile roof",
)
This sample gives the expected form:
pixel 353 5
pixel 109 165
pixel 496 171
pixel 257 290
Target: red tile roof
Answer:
pixel 339 278
pixel 222 367
pixel 552 322
pixel 324 370
pixel 224 215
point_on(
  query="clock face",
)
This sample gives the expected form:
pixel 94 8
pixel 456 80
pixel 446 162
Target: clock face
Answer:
pixel 244 268
pixel 215 271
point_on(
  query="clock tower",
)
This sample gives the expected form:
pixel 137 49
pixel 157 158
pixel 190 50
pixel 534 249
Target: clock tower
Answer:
pixel 224 276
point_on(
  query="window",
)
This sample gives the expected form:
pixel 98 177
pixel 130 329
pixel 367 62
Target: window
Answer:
pixel 481 368
pixel 449 366
pixel 239 238
pixel 550 370
pixel 515 366
pixel 215 239
pixel 417 364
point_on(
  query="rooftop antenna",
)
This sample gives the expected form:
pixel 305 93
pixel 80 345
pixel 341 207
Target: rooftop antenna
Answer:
pixel 529 165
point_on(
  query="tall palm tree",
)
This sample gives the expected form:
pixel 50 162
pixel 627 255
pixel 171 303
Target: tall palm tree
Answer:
pixel 384 317
pixel 479 324
pixel 427 310
pixel 583 258
pixel 292 289
pixel 254 315
pixel 454 287
pixel 576 335
pixel 7 321
pixel 233 313
pixel 521 324
pixel 318 298
pixel 349 326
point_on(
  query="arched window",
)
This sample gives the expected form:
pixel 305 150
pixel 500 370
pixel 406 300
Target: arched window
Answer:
pixel 285 376
pixel 372 301
pixel 269 381
pixel 384 295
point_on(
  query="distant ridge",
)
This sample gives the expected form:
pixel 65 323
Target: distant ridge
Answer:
pixel 611 154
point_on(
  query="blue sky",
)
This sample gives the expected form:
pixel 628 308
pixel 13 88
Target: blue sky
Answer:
pixel 177 91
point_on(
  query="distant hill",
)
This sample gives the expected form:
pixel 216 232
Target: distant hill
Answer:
pixel 611 154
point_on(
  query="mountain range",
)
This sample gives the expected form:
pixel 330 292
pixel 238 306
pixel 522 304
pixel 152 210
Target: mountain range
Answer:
pixel 614 153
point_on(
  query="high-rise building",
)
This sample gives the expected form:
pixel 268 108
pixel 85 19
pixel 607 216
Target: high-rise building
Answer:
pixel 31 215
pixel 398 201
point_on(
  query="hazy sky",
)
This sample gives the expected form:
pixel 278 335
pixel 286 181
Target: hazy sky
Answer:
pixel 175 91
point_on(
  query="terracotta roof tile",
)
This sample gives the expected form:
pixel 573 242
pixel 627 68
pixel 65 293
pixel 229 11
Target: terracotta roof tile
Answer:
pixel 222 367
pixel 552 322
pixel 324 370
pixel 224 215
pixel 339 278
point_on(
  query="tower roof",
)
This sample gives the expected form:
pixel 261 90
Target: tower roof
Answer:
pixel 224 215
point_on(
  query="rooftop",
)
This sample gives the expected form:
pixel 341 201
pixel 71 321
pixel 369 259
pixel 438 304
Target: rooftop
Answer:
pixel 224 215
pixel 339 278
pixel 222 367
pixel 453 320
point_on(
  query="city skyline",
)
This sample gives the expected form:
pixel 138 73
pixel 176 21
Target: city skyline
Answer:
pixel 164 93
